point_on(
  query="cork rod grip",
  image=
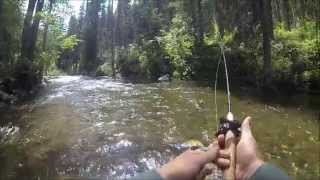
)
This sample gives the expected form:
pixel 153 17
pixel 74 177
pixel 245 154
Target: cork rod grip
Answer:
pixel 230 173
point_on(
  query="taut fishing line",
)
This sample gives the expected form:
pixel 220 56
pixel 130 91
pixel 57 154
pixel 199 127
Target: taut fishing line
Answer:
pixel 222 56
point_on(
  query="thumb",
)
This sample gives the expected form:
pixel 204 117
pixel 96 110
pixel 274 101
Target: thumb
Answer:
pixel 245 128
pixel 212 153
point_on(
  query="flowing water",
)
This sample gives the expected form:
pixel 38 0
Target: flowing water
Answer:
pixel 85 128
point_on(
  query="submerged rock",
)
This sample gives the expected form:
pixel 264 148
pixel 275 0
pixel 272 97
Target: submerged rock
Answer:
pixel 164 78
pixel 8 132
pixel 7 98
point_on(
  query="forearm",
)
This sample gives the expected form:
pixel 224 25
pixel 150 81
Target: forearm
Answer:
pixel 269 172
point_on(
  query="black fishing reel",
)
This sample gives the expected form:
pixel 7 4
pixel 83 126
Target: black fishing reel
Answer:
pixel 226 125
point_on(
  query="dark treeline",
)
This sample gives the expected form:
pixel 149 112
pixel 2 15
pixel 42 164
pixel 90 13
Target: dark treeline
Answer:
pixel 268 43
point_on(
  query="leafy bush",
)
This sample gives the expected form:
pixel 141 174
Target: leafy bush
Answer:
pixel 213 36
pixel 129 64
pixel 178 43
pixel 69 42
pixel 146 61
pixel 47 61
pixel 104 70
pixel 295 56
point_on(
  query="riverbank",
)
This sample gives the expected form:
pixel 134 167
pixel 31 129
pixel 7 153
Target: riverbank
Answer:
pixel 16 96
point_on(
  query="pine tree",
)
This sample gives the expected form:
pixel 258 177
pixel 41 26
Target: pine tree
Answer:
pixel 90 61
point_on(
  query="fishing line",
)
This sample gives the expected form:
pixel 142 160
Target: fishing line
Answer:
pixel 222 56
pixel 215 92
pixel 227 77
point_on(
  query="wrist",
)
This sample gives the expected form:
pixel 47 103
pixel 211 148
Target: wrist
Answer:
pixel 251 169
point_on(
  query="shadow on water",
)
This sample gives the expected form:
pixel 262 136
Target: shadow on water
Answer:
pixel 282 98
pixel 85 128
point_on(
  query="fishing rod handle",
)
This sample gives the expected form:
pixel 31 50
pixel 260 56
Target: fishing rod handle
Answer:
pixel 230 145
pixel 227 174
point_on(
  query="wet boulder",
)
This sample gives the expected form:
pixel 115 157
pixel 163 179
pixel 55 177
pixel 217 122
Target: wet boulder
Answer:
pixel 7 98
pixel 164 78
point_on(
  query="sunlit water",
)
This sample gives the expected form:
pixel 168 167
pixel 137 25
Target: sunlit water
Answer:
pixel 103 129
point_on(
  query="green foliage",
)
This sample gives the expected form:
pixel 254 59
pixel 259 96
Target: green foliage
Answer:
pixel 178 43
pixel 146 60
pixel 11 16
pixel 213 36
pixel 104 70
pixel 153 59
pixel 303 38
pixel 130 64
pixel 10 31
pixel 69 42
pixel 296 55
pixel 47 61
pixel 48 18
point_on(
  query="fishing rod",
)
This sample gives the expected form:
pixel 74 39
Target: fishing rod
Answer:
pixel 228 126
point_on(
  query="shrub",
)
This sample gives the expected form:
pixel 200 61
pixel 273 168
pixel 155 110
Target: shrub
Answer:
pixel 178 43
pixel 295 56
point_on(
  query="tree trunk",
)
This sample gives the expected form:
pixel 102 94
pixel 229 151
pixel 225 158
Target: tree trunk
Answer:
pixel 1 35
pixel 287 14
pixel 302 9
pixel 27 75
pixel 122 27
pixel 35 28
pixel 90 37
pixel 46 27
pixel 192 9
pixel 220 17
pixel 277 10
pixel 267 32
pixel 26 32
pixel 118 29
pixel 113 60
pixel 294 6
pixel 1 4
pixel 269 18
pixel 81 17
pixel 200 28
pixel 112 25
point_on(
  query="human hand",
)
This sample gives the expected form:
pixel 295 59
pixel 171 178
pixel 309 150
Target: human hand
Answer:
pixel 188 165
pixel 247 160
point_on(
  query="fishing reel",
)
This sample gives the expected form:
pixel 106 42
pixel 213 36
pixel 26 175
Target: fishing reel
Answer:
pixel 229 124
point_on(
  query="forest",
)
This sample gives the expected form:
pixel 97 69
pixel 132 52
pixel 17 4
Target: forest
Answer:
pixel 269 44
